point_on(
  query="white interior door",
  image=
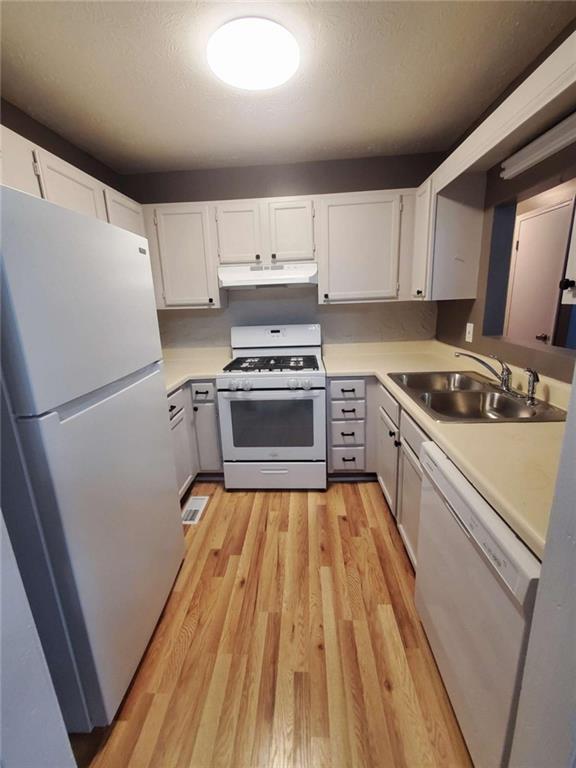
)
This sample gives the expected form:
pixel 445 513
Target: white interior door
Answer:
pixel 360 238
pixel 239 236
pixel 538 261
pixel 291 227
pixel 184 247
pixel 124 212
pixel 421 240
pixel 103 477
pixel 69 187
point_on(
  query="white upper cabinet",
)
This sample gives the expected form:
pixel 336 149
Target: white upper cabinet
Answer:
pixel 185 255
pixel 69 187
pixel 419 286
pixel 124 212
pixel 359 246
pixel 18 164
pixel 290 230
pixel 239 232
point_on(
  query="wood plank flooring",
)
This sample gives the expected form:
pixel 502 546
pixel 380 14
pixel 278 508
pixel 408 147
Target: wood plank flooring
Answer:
pixel 290 639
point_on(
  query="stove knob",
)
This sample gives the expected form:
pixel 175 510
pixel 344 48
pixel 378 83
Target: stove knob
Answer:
pixel 293 383
pixel 307 384
pixel 247 386
pixel 235 384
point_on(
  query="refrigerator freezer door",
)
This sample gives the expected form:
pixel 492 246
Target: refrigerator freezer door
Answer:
pixel 78 307
pixel 104 481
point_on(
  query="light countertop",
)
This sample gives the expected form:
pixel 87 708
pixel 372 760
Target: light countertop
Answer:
pixel 512 465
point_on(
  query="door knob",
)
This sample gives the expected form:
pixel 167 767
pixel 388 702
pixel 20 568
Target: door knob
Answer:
pixel 542 337
pixel 566 284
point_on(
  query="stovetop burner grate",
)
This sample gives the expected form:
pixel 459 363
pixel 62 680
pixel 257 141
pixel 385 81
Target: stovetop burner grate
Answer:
pixel 273 363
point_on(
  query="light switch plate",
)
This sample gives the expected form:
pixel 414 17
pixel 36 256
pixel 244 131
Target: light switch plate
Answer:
pixel 469 331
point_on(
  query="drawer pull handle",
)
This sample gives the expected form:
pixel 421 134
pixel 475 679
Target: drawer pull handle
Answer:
pixel 202 392
pixel 347 434
pixel 348 410
pixel 345 459
pixel 347 390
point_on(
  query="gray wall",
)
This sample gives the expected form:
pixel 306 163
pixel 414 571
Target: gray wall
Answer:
pixel 343 323
pixel 309 178
pixel 545 735
pixel 453 315
pixel 32 731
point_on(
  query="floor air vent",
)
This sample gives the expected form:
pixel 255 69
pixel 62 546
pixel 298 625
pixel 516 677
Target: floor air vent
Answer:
pixel 194 509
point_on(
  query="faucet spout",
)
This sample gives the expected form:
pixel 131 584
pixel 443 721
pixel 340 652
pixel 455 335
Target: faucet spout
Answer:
pixel 505 375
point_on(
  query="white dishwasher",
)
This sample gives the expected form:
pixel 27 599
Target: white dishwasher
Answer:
pixel 475 588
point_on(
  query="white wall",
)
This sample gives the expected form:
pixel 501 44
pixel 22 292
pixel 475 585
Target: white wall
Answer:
pixel 545 735
pixel 393 321
pixel 32 731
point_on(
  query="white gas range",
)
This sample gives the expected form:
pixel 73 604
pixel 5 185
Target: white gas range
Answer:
pixel 272 408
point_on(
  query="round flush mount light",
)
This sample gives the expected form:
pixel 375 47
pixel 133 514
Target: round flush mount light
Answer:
pixel 253 53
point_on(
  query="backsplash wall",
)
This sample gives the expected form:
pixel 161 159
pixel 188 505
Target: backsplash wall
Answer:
pixel 401 321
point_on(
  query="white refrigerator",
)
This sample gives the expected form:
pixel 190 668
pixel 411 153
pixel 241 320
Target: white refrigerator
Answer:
pixel 89 490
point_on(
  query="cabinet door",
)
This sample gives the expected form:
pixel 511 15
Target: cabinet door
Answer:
pixel 387 458
pixel 185 251
pixel 18 163
pixel 409 490
pixel 291 230
pixel 359 244
pixel 69 187
pixel 420 259
pixel 124 212
pixel 182 451
pixel 208 437
pixel 238 228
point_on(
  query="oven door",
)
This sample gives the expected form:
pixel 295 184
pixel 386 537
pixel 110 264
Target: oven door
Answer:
pixel 273 425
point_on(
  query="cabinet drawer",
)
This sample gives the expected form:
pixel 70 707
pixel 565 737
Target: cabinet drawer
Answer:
pixel 354 389
pixel 202 392
pixel 347 432
pixel 175 402
pixel 411 433
pixel 390 405
pixel 347 459
pixel 354 410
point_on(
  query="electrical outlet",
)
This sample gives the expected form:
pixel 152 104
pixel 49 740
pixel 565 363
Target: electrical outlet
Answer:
pixel 469 332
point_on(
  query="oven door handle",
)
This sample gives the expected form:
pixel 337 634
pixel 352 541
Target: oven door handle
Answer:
pixel 283 394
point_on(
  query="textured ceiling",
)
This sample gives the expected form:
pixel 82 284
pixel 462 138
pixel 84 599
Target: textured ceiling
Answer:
pixel 128 81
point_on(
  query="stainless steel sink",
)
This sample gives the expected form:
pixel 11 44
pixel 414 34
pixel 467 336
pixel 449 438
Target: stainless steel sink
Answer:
pixel 487 405
pixel 469 397
pixel 443 381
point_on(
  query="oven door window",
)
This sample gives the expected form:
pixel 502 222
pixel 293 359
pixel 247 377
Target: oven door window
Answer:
pixel 272 423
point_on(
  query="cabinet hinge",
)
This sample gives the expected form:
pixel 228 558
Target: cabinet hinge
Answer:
pixel 155 218
pixel 401 206
pixel 397 288
pixel 517 244
pixel 36 167
pixel 313 210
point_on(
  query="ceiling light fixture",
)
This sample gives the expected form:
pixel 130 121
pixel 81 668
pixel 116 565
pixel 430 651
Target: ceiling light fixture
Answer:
pixel 253 53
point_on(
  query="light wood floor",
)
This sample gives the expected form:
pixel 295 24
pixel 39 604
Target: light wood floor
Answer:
pixel 290 639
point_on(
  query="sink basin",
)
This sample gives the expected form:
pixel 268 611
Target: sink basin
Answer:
pixel 443 381
pixel 487 406
pixel 466 396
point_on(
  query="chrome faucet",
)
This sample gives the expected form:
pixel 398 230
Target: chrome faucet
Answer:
pixel 533 379
pixel 505 375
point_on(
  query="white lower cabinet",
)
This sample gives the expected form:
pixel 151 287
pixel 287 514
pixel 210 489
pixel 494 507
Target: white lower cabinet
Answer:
pixel 183 442
pixel 387 457
pixel 409 490
pixel 207 437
